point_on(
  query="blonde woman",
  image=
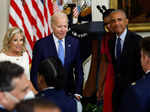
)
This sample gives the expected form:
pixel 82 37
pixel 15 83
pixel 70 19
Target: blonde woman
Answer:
pixel 14 49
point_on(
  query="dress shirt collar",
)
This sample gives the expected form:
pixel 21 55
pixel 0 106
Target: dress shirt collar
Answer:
pixel 48 88
pixel 56 42
pixel 56 39
pixel 1 106
pixel 148 71
pixel 123 35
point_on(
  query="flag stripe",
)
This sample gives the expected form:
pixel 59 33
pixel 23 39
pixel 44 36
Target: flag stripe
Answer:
pixel 33 17
pixel 32 20
pixel 12 21
pixel 40 16
pixel 19 12
pixel 50 7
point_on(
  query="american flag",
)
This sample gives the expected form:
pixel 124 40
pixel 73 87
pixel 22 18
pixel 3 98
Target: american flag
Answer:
pixel 55 7
pixel 33 17
pixel 76 11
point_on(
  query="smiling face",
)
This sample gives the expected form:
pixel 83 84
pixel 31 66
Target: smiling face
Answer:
pixel 118 22
pixel 60 28
pixel 145 61
pixel 60 25
pixel 16 44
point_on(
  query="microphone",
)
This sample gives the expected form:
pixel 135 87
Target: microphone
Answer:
pixel 99 8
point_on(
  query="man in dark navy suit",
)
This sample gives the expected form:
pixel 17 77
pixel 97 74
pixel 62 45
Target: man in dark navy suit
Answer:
pixel 137 96
pixel 14 85
pixel 70 56
pixel 125 52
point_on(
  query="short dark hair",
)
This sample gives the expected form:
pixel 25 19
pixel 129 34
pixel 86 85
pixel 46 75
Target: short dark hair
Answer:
pixel 107 13
pixel 53 72
pixel 9 71
pixel 120 10
pixel 31 104
pixel 145 45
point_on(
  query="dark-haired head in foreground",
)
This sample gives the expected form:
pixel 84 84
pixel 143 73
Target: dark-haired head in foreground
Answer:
pixel 145 53
pixel 51 73
pixel 36 105
pixel 51 82
pixel 14 85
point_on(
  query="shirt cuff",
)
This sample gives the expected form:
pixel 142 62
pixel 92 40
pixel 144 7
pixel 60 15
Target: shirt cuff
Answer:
pixel 78 95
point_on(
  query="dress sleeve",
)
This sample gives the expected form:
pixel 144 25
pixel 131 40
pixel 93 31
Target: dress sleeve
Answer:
pixel 26 65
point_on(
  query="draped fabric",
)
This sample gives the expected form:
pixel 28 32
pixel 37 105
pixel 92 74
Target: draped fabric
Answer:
pixel 106 75
pixel 90 86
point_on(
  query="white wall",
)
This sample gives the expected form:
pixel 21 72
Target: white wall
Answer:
pixel 3 19
pixel 96 15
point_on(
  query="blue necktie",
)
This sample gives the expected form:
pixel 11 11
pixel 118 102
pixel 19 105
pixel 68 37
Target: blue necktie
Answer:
pixel 118 49
pixel 61 54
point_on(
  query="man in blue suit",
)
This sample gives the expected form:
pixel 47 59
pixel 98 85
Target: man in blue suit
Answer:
pixel 137 96
pixel 70 56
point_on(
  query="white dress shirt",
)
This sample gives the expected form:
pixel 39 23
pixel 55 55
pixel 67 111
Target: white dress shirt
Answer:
pixel 57 44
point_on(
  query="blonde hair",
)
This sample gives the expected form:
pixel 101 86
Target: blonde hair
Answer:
pixel 8 37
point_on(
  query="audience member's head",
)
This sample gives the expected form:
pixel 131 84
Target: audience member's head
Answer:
pixel 119 21
pixel 51 73
pixel 14 85
pixel 145 53
pixel 59 23
pixel 36 105
pixel 11 39
pixel 107 12
pixel 107 19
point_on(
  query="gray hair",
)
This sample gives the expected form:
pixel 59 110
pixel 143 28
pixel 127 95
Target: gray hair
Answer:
pixel 58 15
pixel 119 10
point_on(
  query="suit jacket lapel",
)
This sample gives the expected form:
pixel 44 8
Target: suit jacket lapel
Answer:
pixel 126 44
pixel 53 46
pixel 112 47
pixel 68 46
